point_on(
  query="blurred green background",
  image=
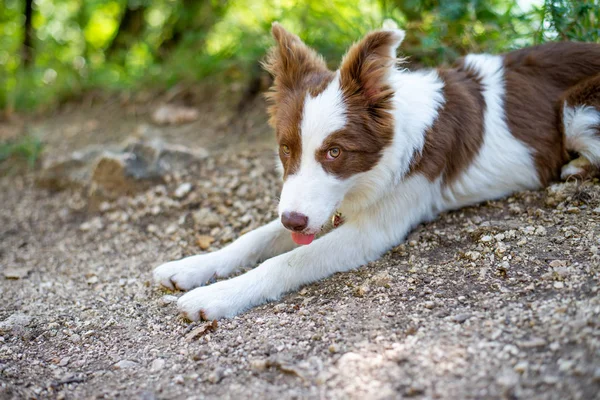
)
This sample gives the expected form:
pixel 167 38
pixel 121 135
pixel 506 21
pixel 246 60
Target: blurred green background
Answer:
pixel 53 51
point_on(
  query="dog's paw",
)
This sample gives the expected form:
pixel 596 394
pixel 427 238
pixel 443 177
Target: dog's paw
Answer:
pixel 190 272
pixel 223 299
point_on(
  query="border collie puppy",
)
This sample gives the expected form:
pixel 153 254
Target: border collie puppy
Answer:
pixel 377 150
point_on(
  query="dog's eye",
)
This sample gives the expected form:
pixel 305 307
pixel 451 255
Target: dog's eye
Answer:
pixel 333 153
pixel 286 149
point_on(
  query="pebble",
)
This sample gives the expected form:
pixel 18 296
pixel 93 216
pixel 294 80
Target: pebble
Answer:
pixel 204 241
pixel 157 364
pixel 559 285
pixel 125 364
pixel 460 318
pixel 532 343
pixel 16 273
pixel 216 376
pixel 14 322
pixel 183 190
pixel 178 379
pixel 486 239
pixel 429 304
pixel 168 299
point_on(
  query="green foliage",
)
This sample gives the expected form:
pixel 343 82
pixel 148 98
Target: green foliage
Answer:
pixel 570 20
pixel 27 148
pixel 114 45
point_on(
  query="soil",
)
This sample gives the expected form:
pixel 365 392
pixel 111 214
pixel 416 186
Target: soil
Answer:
pixel 495 301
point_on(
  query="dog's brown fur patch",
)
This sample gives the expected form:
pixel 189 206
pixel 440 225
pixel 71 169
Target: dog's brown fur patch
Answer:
pixel 368 99
pixel 297 70
pixel 543 74
pixel 456 136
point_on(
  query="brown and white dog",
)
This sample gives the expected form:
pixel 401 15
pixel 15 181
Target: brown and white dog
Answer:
pixel 389 148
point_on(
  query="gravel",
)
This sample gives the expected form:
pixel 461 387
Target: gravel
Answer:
pixel 498 300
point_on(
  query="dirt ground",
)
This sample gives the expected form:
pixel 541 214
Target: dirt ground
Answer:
pixel 495 301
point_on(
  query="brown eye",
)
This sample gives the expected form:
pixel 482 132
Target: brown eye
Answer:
pixel 286 150
pixel 333 153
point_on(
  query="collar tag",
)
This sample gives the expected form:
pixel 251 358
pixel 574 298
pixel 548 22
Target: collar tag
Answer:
pixel 337 219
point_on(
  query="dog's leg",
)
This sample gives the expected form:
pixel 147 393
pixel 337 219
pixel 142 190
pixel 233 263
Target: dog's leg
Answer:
pixel 257 245
pixel 347 247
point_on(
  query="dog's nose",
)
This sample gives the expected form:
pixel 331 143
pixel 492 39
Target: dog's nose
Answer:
pixel 294 221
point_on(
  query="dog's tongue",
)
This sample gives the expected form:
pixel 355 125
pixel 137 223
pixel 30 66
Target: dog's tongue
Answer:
pixel 300 238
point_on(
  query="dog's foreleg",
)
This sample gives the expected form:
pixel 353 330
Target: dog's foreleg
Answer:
pixel 260 244
pixel 347 247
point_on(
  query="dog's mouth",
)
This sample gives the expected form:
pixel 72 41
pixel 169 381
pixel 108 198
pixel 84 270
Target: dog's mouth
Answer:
pixel 303 238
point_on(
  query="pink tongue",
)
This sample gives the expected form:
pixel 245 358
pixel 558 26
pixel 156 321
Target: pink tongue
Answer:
pixel 299 238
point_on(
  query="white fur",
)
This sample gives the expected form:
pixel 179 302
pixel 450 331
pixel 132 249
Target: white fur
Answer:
pixel 504 164
pixel 582 125
pixel 380 206
pixel 311 191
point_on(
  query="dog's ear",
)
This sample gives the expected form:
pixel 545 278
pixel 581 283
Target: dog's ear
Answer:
pixel 366 66
pixel 291 61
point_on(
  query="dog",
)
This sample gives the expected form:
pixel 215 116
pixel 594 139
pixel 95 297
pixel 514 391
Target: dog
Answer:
pixel 378 149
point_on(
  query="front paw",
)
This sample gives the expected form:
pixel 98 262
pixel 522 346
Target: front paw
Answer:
pixel 223 299
pixel 190 272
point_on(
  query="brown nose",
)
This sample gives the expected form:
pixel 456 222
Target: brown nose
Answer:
pixel 294 221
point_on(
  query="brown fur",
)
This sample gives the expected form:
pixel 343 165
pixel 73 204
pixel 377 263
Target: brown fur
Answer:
pixel 536 78
pixel 368 99
pixel 297 69
pixel 586 92
pixel 457 134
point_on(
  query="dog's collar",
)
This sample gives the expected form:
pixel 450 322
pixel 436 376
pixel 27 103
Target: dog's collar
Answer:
pixel 337 219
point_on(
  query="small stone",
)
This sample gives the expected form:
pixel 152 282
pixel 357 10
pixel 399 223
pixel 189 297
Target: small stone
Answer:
pixel 334 348
pixel 557 263
pixel 168 299
pixel 559 285
pixel 573 210
pixel 540 231
pixel 16 273
pixel 15 322
pixel 216 376
pixel 179 379
pixel 64 361
pixel 206 218
pixel 521 367
pixel 92 280
pixel 532 343
pixel 486 239
pixel 125 364
pixel 460 318
pixel 157 364
pixel 171 229
pixel 596 375
pixel 204 241
pixel 183 190
pixel 258 365
pixel 473 255
pixel 429 305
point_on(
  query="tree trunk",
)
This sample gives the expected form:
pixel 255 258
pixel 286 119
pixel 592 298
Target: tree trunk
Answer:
pixel 26 48
pixel 130 28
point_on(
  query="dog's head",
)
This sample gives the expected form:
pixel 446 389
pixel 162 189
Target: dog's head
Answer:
pixel 332 127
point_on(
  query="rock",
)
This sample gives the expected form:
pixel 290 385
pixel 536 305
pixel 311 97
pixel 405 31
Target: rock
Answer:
pixel 170 114
pixel 16 273
pixel 157 365
pixel 15 322
pixel 429 305
pixel 460 318
pixel 168 299
pixel 334 348
pixel 125 364
pixel 532 343
pixel 179 379
pixel 183 190
pixel 204 241
pixel 259 365
pixel 486 239
pixel 559 285
pixel 112 171
pixel 206 218
pixel 216 376
pixel 64 361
